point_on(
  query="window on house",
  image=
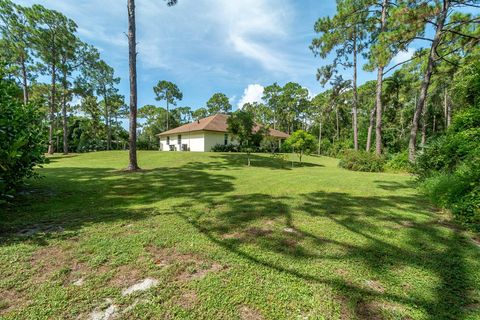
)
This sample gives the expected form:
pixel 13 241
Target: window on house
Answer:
pixel 179 138
pixel 225 139
pixel 168 141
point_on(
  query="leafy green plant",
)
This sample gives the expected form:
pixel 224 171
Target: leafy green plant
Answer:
pixel 449 168
pixel 459 192
pixel 241 127
pixel 21 139
pixel 225 148
pixel 301 142
pixel 361 161
pixel 399 163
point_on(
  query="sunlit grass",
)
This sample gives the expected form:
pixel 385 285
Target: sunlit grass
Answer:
pixel 228 241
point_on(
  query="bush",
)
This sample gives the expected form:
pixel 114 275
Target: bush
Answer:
pixel 21 139
pixel 449 168
pixel 226 148
pixel 361 161
pixel 399 163
pixel 459 192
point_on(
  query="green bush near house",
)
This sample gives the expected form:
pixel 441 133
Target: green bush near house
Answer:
pixel 226 148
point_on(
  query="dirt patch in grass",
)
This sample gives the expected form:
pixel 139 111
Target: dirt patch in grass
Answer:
pixel 375 286
pixel 233 235
pixel 54 261
pixel 379 310
pixel 189 266
pixel 247 313
pixel 289 243
pixel 249 234
pixel 125 276
pixel 75 273
pixel 342 272
pixel 257 232
pixel 345 312
pixel 368 310
pixel 199 271
pixel 163 257
pixel 48 260
pixel 186 300
pixel 10 300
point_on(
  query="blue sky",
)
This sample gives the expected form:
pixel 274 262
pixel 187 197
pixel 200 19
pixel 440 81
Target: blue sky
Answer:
pixel 207 46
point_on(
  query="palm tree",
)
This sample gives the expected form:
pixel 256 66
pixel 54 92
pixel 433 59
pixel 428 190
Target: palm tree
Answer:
pixel 132 59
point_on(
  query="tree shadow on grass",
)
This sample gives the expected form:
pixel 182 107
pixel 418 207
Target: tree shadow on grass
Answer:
pixel 74 197
pixel 268 231
pixel 57 157
pixel 243 222
pixel 229 161
pixel 394 185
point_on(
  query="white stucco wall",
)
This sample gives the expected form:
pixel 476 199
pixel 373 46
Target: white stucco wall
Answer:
pixel 200 141
pixel 194 141
pixel 214 138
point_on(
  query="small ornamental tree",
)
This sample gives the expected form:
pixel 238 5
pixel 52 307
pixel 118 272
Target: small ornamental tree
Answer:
pixel 241 127
pixel 301 142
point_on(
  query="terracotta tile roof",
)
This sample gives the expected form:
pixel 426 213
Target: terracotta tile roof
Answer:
pixel 217 122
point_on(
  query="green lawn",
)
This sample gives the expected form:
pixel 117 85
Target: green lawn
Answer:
pixel 225 241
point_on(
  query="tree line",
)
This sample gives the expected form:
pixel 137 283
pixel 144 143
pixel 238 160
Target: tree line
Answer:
pixel 41 50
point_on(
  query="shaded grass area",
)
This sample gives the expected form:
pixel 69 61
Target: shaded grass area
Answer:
pixel 230 242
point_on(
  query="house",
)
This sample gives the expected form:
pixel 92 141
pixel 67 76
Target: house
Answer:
pixel 203 134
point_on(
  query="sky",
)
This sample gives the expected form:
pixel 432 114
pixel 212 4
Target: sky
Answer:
pixel 206 46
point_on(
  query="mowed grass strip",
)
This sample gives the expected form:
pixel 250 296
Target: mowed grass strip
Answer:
pixel 221 240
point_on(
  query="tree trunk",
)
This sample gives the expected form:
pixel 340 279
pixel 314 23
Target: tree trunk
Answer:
pixel 370 129
pixel 320 136
pixel 24 80
pixel 449 114
pixel 378 97
pixel 426 80
pixel 355 93
pixel 132 59
pixel 447 109
pixel 167 113
pixel 338 123
pixel 52 109
pixel 107 119
pixel 424 128
pixel 64 115
pixel 378 103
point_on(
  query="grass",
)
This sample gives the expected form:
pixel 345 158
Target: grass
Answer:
pixel 226 241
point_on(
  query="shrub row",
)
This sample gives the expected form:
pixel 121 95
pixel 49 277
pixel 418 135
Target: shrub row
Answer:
pixel 361 161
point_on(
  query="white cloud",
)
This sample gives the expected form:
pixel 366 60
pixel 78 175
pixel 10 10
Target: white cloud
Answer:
pixel 403 56
pixel 260 53
pixel 252 26
pixel 252 93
